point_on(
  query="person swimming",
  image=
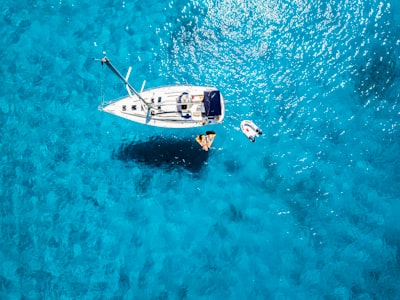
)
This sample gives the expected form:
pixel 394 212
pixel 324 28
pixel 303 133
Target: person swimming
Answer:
pixel 206 140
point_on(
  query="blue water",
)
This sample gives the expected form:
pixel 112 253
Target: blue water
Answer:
pixel 96 207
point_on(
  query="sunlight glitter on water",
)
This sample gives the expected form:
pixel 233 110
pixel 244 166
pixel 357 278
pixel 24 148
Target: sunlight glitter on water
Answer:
pixel 87 212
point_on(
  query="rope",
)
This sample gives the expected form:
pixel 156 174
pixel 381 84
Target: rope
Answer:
pixel 102 85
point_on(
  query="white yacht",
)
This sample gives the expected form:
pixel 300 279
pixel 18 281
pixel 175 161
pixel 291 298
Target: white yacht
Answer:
pixel 177 106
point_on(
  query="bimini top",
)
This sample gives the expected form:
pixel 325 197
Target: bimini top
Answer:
pixel 212 103
pixel 178 106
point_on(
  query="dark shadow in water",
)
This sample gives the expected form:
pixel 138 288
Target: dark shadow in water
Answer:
pixel 377 72
pixel 160 152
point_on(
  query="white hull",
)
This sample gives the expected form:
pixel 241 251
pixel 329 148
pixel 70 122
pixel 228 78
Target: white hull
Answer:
pixel 250 130
pixel 180 106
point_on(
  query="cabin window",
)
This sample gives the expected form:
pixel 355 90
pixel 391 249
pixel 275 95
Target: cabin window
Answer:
pixel 123 107
pixel 134 107
pixel 159 99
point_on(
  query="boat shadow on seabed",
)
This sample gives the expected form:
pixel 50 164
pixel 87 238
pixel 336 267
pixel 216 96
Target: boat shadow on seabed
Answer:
pixel 160 152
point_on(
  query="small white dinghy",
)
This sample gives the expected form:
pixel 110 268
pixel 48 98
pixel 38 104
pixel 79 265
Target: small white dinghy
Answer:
pixel 250 130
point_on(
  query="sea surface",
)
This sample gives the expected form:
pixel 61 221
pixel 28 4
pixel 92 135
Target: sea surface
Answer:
pixel 96 207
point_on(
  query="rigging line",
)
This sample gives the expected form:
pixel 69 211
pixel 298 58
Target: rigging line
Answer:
pixel 106 61
pixel 102 94
pixel 102 85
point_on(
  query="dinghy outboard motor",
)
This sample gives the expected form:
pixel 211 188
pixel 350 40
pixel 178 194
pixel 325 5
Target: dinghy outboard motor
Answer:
pixel 250 130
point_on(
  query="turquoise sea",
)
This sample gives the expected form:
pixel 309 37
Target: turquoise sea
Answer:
pixel 96 207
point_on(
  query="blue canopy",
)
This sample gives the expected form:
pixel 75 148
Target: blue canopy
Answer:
pixel 212 103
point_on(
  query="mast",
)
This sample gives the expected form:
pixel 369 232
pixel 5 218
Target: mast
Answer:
pixel 106 61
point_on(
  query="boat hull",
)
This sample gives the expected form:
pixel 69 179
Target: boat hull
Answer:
pixel 181 106
pixel 250 130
